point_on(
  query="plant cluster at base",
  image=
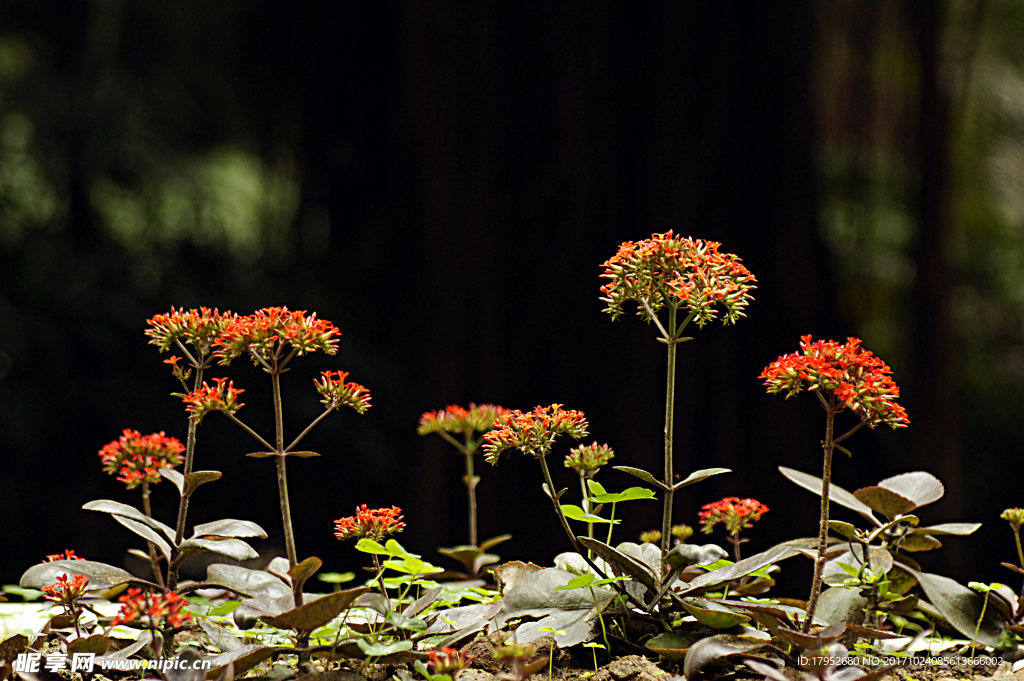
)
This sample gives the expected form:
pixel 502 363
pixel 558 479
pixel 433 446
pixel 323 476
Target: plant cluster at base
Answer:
pixel 687 603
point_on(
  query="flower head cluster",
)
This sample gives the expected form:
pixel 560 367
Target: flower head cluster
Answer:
pixel 136 458
pixel 859 379
pixel 681 532
pixel 337 393
pixel 67 555
pixel 67 591
pixel 268 332
pixel 533 432
pixel 166 608
pixel 372 524
pixel 588 459
pixel 736 514
pixel 448 660
pixel 666 268
pixel 1014 516
pixel 650 536
pixel 461 420
pixel 198 328
pixel 202 401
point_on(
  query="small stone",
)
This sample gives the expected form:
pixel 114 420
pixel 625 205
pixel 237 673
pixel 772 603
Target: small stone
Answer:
pixel 476 675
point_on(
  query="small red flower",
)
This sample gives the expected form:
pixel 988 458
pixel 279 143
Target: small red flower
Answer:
pixel 534 432
pixel 166 608
pixel 67 555
pixel 202 401
pixel 273 332
pixel 448 660
pixel 136 458
pixel 372 524
pixel 65 591
pixel 667 268
pixel 337 393
pixel 461 420
pixel 736 514
pixel 860 380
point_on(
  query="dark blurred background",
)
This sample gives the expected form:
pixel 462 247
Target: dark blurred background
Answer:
pixel 443 182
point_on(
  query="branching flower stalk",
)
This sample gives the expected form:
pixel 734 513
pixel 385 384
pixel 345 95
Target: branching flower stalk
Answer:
pixel 688 276
pixel 137 460
pixel 736 515
pixel 467 422
pixel 844 376
pixel 271 338
pixel 1015 516
pixel 587 461
pixel 197 329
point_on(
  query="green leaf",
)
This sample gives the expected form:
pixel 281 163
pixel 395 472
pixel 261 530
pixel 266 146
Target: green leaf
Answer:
pixel 126 511
pixel 630 494
pixel 960 606
pixel 639 473
pixel 574 512
pixel 381 649
pixel 715 648
pixel 697 476
pixel 412 566
pixel 578 582
pixel 246 582
pixel 101 576
pixel 919 487
pixel 336 577
pixel 397 551
pixel 235 549
pixel 885 501
pixel 672 646
pixel 370 546
pixel 595 487
pixel 229 528
pixel 147 533
pixel 958 529
pixel 400 621
pixel 175 477
pixel 714 616
pixel 836 494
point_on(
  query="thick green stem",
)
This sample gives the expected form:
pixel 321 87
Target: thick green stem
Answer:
pixel 470 481
pixel 826 480
pixel 282 477
pixel 1020 554
pixel 586 507
pixel 190 452
pixel 154 561
pixel 670 408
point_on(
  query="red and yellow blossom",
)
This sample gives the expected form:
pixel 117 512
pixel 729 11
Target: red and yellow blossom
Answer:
pixel 198 328
pixel 337 393
pixel 666 268
pixel 369 523
pixel 448 661
pixel 268 333
pixel 67 555
pixel 533 432
pixel 735 513
pixel 160 609
pixel 461 420
pixel 67 591
pixel 859 379
pixel 136 458
pixel 202 401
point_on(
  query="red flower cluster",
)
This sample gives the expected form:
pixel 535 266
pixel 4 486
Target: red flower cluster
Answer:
pixel 448 660
pixel 588 459
pixel 456 419
pixel 67 555
pixel 165 608
pixel 534 432
pixel 372 524
pixel 338 393
pixel 202 401
pixel 736 514
pixel 666 267
pixel 136 458
pixel 66 591
pixel 267 332
pixel 199 328
pixel 859 379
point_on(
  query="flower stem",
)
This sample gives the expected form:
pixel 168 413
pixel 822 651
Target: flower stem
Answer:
pixel 586 508
pixel 282 475
pixel 1020 553
pixel 470 481
pixel 568 530
pixel 310 427
pixel 670 407
pixel 826 480
pixel 153 560
pixel 190 452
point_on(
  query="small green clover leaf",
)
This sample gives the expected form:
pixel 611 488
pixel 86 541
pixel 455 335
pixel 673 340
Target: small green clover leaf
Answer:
pixel 573 512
